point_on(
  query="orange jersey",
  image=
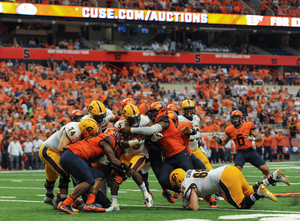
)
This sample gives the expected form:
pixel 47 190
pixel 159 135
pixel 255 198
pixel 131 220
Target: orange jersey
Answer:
pixel 267 141
pixel 184 137
pixel 259 143
pixel 212 143
pixel 90 149
pixel 279 140
pixel 171 142
pixel 238 135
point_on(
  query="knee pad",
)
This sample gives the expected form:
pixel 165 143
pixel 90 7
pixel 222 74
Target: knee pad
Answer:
pixel 64 182
pixel 49 185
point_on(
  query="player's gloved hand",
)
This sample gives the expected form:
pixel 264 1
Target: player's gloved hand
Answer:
pixel 103 160
pixel 156 136
pixel 217 138
pixel 118 179
pixel 202 150
pixel 250 138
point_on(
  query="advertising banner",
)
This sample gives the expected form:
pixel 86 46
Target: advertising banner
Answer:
pixel 99 13
pixel 148 56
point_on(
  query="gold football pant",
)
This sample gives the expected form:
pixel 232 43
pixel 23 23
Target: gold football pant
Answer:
pixel 198 153
pixel 137 161
pixel 52 165
pixel 234 186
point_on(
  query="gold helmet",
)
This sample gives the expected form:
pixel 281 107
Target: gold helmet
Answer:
pixel 88 127
pixel 177 176
pixel 132 115
pixel 97 111
pixel 188 109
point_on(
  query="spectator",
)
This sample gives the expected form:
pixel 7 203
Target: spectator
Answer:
pixel 32 42
pixel 28 149
pixel 165 46
pixel 155 46
pixel 37 143
pixel 14 151
pixel 127 47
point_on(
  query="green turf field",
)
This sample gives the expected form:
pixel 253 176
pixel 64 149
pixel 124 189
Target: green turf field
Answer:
pixel 22 193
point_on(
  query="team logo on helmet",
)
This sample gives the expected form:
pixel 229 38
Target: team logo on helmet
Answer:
pixel 97 111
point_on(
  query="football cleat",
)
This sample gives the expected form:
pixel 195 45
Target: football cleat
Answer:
pixel 50 201
pixel 148 199
pixel 212 202
pixel 278 176
pixel 113 207
pixel 168 196
pixel 92 207
pixel 145 204
pixel 66 208
pixel 200 199
pixel 263 191
pixel 76 204
pixel 218 196
pixel 177 195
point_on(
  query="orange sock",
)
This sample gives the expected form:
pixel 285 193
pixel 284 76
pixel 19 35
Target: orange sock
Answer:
pixel 70 199
pixel 91 198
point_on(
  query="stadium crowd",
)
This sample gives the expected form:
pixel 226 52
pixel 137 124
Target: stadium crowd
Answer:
pixel 37 100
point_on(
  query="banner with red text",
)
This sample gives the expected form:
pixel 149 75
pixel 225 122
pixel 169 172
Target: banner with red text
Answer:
pixel 146 15
pixel 148 56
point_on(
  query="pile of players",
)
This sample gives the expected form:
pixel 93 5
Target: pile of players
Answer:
pixel 146 136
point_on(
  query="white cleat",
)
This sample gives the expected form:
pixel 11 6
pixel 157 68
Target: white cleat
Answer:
pixel 278 176
pixel 113 207
pixel 148 199
pixel 200 199
pixel 263 191
pixel 50 201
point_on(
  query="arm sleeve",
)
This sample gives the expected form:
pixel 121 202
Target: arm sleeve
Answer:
pixel 146 130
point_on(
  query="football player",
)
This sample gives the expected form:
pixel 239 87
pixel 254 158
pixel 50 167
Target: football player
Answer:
pixel 101 114
pixel 74 161
pixel 170 143
pixel 188 115
pixel 186 129
pixel 49 154
pixel 243 133
pixel 76 115
pixel 127 101
pixel 135 153
pixel 226 179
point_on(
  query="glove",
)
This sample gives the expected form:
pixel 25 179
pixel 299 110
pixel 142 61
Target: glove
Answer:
pixel 217 138
pixel 202 150
pixel 103 160
pixel 250 138
pixel 156 136
pixel 118 179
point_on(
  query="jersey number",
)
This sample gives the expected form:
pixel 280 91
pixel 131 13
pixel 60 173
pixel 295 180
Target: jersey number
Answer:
pixel 200 175
pixel 240 139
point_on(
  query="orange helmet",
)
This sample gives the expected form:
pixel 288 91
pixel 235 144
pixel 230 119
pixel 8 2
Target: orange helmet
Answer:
pixel 173 107
pixel 155 109
pixel 144 108
pixel 76 115
pixel 236 118
pixel 173 116
pixel 127 101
